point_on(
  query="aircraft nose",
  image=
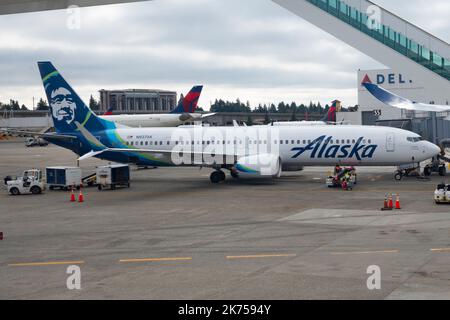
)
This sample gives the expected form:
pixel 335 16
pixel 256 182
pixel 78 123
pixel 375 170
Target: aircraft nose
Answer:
pixel 433 149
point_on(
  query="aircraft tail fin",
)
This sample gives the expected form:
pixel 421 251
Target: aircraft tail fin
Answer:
pixel 189 103
pixel 66 106
pixel 331 114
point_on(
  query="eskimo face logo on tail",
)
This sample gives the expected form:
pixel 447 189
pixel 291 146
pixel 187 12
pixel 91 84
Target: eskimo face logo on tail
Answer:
pixel 323 148
pixel 63 105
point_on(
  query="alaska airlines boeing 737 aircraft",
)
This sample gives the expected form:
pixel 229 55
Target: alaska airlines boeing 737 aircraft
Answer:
pixel 245 151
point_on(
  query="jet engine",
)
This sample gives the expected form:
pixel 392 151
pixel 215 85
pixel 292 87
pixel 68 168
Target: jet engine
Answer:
pixel 259 166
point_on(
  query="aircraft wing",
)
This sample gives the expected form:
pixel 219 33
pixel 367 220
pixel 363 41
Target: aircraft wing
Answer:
pixel 37 134
pixel 208 115
pixel 396 101
pixel 157 154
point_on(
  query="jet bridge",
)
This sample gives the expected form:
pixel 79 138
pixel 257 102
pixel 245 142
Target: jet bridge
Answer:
pixel 382 35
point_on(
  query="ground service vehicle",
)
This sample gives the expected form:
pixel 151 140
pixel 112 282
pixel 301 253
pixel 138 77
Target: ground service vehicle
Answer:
pixel 442 194
pixel 112 176
pixel 31 182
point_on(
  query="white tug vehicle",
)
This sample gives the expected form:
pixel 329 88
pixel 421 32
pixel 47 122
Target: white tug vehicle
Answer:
pixel 31 182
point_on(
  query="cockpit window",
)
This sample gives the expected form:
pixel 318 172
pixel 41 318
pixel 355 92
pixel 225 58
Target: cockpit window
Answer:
pixel 414 139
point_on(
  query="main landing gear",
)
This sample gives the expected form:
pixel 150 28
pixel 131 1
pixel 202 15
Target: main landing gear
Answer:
pixel 217 176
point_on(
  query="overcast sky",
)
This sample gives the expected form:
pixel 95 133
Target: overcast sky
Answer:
pixel 253 50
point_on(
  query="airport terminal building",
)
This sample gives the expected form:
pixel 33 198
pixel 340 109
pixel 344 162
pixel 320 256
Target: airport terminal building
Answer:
pixel 138 100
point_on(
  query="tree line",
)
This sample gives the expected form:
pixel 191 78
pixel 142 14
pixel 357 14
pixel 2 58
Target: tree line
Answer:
pixel 219 105
pixel 42 105
pixel 282 107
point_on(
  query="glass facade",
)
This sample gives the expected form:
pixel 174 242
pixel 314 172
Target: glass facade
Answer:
pixel 387 36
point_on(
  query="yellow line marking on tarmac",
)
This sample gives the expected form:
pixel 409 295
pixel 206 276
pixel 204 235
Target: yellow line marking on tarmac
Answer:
pixel 41 264
pixel 364 252
pixel 440 250
pixel 256 256
pixel 155 259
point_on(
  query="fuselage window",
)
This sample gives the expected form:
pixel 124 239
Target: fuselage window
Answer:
pixel 369 141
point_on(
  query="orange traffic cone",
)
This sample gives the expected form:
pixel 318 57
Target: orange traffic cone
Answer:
pixel 80 196
pixel 385 204
pixel 72 196
pixel 391 202
pixel 397 203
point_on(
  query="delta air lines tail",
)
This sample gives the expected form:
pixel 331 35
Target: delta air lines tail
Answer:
pixel 189 103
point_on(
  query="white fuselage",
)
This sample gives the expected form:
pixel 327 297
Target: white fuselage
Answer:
pixel 152 120
pixel 296 145
pixel 298 123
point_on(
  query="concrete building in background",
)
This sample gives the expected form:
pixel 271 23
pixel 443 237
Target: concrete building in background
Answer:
pixel 137 101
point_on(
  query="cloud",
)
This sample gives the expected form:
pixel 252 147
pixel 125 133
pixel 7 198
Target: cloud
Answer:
pixel 252 49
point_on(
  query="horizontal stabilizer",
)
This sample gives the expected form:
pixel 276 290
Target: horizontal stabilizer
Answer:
pixel 208 115
pixel 91 154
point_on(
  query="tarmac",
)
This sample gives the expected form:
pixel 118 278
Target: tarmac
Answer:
pixel 174 235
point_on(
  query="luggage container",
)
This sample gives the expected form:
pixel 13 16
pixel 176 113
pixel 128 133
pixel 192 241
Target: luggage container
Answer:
pixel 113 176
pixel 63 178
